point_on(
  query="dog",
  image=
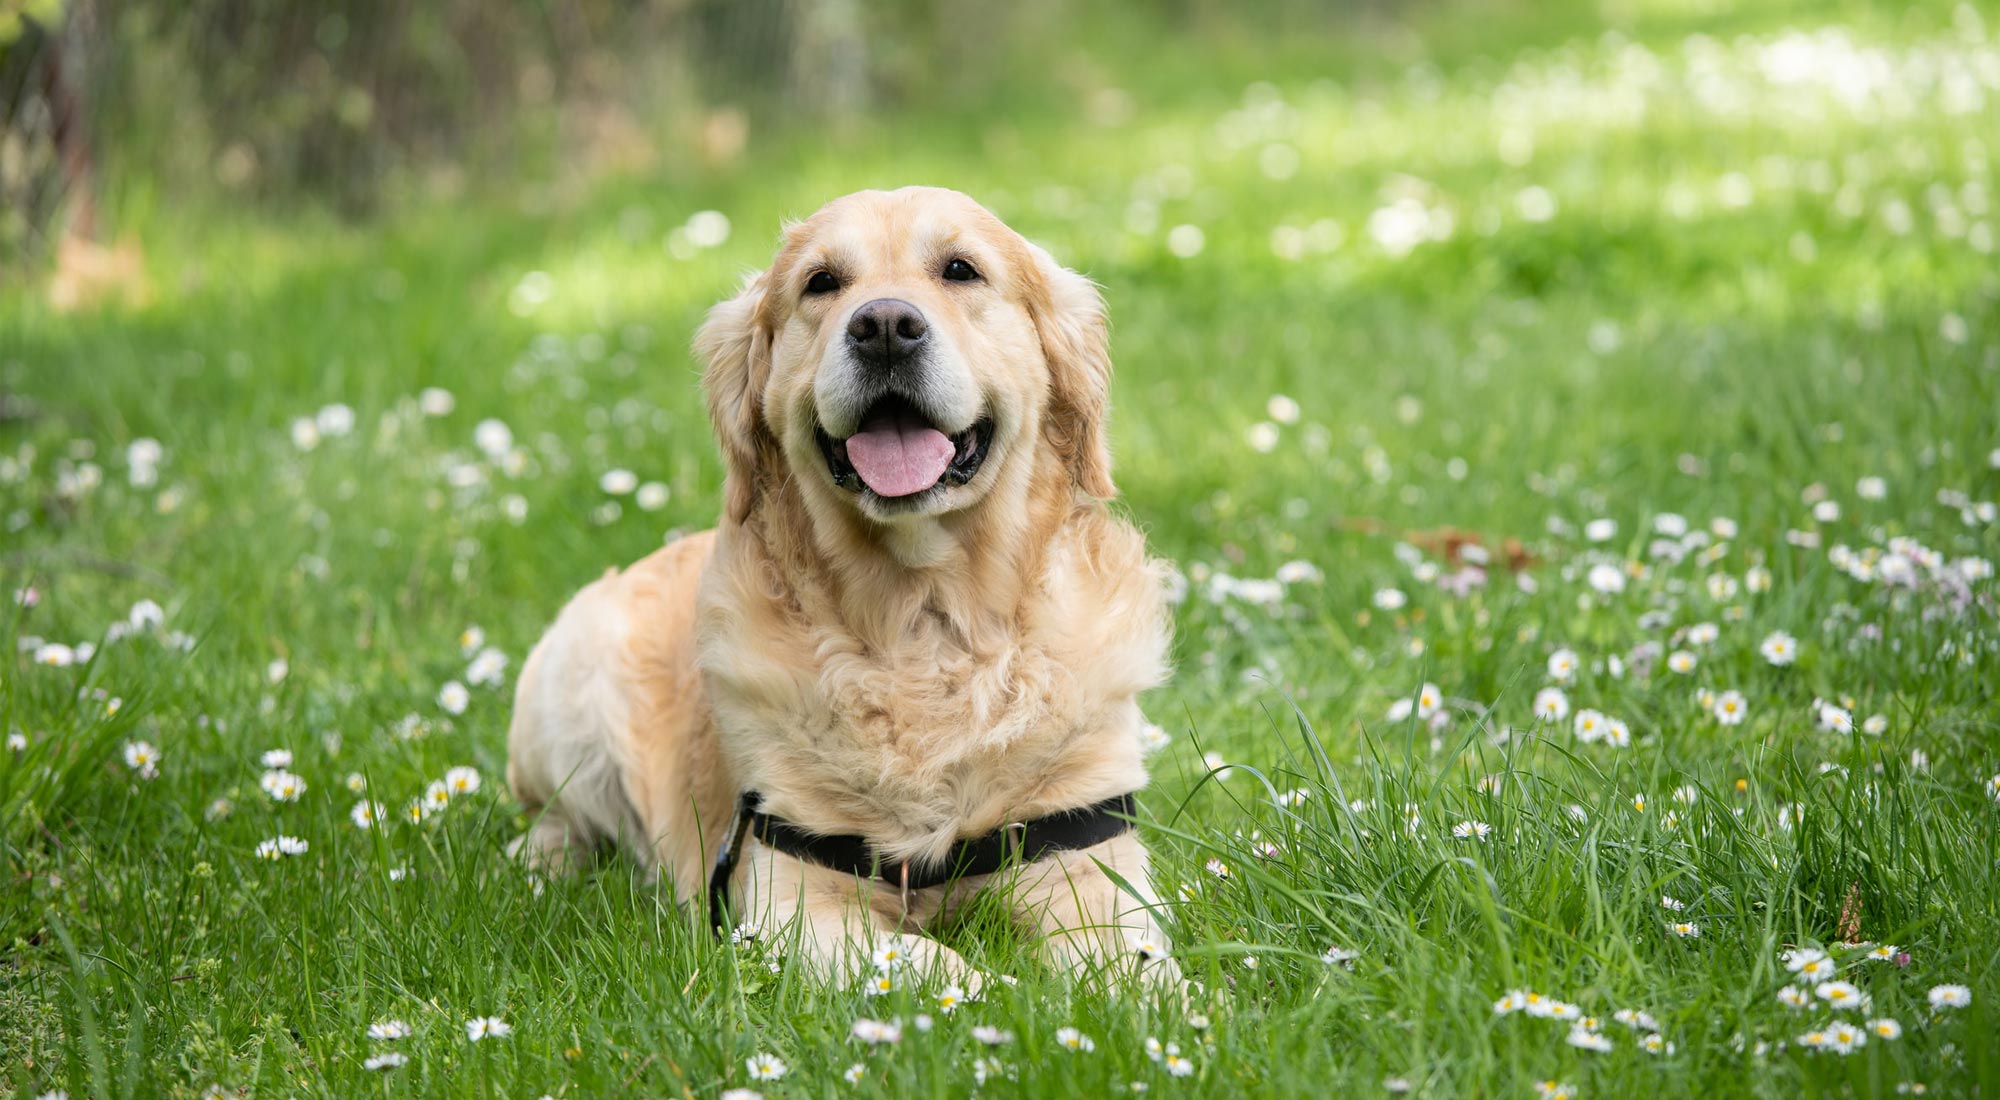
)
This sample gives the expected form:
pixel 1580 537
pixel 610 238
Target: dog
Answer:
pixel 917 627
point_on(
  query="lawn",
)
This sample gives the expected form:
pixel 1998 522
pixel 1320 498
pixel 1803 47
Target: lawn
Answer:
pixel 1579 442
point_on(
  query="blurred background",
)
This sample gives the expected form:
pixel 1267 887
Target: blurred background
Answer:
pixel 360 106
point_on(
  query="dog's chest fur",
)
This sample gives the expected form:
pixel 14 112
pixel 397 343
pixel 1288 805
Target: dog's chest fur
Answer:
pixel 952 728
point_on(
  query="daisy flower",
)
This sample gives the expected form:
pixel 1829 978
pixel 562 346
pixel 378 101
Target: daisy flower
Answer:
pixel 1798 958
pixel 1729 708
pixel 1562 665
pixel 1606 578
pixel 1589 725
pixel 1513 1001
pixel 142 757
pixel 1655 1044
pixel 453 697
pixel 389 1030
pixel 277 760
pixel 1842 996
pixel 1813 966
pixel 1885 1028
pixel 1703 634
pixel 1586 1039
pixel 1216 867
pixel 1883 952
pixel 1673 904
pixel 1555 1090
pixel 1681 661
pixel 880 984
pixel 1779 648
pixel 1175 1064
pixel 487 1027
pixel 854 1073
pixel 1844 1038
pixel 1636 1019
pixel 740 1094
pixel 764 1066
pixel 949 998
pixel 876 1032
pixel 437 796
pixel 282 786
pixel 367 814
pixel 1429 700
pixel 1835 719
pixel 1949 996
pixel 1551 705
pixel 1617 734
pixel 1472 830
pixel 385 1062
pixel 1339 956
pixel 992 1036
pixel 280 847
pixel 1793 997
pixel 1685 929
pixel 17 741
pixel 1070 1038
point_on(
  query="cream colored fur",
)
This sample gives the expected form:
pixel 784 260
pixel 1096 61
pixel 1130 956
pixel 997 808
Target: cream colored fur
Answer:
pixel 915 679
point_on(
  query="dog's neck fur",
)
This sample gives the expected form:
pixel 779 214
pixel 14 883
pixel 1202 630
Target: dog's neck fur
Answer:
pixel 972 569
pixel 859 689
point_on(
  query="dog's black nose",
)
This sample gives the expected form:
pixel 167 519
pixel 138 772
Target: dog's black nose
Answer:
pixel 886 331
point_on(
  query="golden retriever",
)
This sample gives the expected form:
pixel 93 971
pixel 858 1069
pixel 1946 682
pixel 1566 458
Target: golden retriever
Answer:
pixel 916 622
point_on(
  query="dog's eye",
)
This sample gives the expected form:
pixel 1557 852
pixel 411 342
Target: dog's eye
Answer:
pixel 822 282
pixel 958 271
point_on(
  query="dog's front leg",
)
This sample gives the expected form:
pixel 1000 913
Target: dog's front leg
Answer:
pixel 847 929
pixel 1090 924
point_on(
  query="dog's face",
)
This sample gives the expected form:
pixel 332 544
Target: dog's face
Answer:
pixel 904 352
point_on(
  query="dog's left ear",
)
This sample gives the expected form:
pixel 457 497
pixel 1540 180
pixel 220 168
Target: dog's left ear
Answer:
pixel 734 345
pixel 1069 314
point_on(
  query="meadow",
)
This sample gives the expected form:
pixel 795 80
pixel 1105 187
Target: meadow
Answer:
pixel 1578 436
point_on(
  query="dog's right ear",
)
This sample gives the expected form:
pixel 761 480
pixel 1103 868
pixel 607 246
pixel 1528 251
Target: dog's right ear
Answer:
pixel 734 345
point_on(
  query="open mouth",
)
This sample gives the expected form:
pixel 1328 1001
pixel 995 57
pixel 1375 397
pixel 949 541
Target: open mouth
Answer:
pixel 898 452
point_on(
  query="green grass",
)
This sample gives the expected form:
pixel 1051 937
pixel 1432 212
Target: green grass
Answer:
pixel 1746 295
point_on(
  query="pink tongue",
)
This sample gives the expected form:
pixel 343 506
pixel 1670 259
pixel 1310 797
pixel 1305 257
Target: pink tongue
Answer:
pixel 898 455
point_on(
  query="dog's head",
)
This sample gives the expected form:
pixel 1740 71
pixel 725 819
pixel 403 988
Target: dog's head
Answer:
pixel 905 353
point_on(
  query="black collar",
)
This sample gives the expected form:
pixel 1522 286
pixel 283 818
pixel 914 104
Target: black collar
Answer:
pixel 1025 841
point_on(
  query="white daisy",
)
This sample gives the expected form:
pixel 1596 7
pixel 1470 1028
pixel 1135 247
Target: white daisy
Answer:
pixel 480 1028
pixel 1779 648
pixel 764 1066
pixel 1472 830
pixel 1551 705
pixel 1949 996
pixel 282 786
pixel 1070 1038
